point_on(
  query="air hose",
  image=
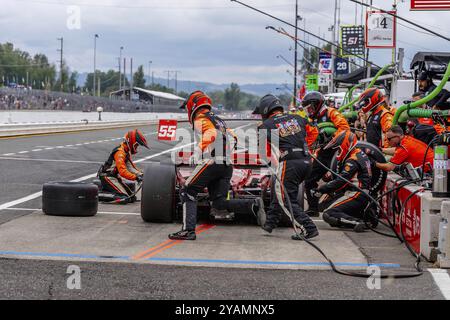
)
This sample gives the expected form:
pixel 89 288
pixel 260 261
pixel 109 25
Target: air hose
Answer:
pixel 424 100
pixel 421 113
pixel 395 276
pixel 332 265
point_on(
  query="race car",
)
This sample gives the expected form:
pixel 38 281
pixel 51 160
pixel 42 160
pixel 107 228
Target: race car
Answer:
pixel 251 179
pixel 163 181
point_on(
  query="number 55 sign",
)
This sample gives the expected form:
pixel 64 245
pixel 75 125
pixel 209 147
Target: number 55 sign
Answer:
pixel 380 29
pixel 167 130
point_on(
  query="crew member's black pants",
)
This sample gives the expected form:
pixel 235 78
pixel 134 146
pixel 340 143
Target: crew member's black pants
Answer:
pixel 346 211
pixel 290 174
pixel 317 172
pixel 216 177
pixel 114 185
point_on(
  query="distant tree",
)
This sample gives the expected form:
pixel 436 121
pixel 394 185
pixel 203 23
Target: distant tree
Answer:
pixel 232 97
pixel 161 88
pixel 183 94
pixel 109 82
pixel 72 85
pixel 217 97
pixel 16 66
pixel 139 77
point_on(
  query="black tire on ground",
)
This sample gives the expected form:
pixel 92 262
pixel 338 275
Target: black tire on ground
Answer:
pixel 158 193
pixel 378 176
pixel 70 199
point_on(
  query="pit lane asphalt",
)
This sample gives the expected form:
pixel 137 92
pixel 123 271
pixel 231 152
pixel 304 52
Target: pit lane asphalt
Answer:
pixel 46 279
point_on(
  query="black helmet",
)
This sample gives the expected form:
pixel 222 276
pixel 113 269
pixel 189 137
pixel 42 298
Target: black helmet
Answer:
pixel 267 105
pixel 424 75
pixel 312 103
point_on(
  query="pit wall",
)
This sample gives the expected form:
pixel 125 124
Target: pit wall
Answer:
pixel 420 220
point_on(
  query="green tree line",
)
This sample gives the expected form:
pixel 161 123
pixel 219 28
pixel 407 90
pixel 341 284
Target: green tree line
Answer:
pixel 21 68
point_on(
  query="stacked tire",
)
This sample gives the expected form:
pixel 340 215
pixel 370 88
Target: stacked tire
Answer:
pixel 70 199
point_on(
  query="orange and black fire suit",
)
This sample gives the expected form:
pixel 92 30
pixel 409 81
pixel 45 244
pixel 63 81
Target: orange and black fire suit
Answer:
pixel 324 156
pixel 213 171
pixel 348 210
pixel 378 124
pixel 119 166
pixel 295 136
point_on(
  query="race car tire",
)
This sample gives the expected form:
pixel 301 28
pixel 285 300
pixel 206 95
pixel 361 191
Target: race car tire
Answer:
pixel 70 199
pixel 158 193
pixel 285 221
pixel 378 176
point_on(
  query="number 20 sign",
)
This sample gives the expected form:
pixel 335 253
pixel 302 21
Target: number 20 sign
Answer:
pixel 167 130
pixel 380 29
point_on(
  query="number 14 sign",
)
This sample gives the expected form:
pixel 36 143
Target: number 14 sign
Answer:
pixel 380 29
pixel 167 130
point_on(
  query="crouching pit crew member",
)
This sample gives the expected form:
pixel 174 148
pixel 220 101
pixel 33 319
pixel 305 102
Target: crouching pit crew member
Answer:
pixel 347 211
pixel 407 150
pixel 295 135
pixel 212 171
pixel 314 105
pixel 120 166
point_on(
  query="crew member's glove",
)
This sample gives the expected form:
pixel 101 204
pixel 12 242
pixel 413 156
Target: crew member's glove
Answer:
pixel 316 193
pixel 139 178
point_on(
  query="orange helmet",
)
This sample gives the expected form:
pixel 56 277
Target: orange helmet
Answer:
pixel 133 139
pixel 370 99
pixel 345 142
pixel 194 102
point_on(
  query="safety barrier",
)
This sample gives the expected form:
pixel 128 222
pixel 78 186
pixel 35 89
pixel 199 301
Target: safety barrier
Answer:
pixel 443 259
pixel 14 130
pixel 419 222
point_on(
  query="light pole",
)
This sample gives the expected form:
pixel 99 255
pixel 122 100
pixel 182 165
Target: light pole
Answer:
pixel 120 69
pixel 95 62
pixel 296 52
pixel 149 70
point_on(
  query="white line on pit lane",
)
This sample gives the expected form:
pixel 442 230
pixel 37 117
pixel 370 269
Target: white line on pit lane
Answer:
pixel 99 212
pixel 38 194
pixel 50 160
pixel 442 280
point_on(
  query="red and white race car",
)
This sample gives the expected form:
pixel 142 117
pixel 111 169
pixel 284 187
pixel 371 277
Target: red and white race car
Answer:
pixel 163 181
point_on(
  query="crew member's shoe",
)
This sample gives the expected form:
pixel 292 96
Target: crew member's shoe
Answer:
pixel 267 228
pixel 259 211
pixel 307 236
pixel 360 227
pixel 312 213
pixel 183 235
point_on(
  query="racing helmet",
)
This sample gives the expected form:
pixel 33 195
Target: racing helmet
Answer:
pixel 312 103
pixel 133 139
pixel 195 101
pixel 370 99
pixel 344 142
pixel 267 105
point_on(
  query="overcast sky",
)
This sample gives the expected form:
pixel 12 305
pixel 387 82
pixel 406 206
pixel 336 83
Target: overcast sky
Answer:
pixel 207 40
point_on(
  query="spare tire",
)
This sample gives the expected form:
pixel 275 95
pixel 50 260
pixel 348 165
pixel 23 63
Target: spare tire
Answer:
pixel 158 193
pixel 378 176
pixel 70 199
